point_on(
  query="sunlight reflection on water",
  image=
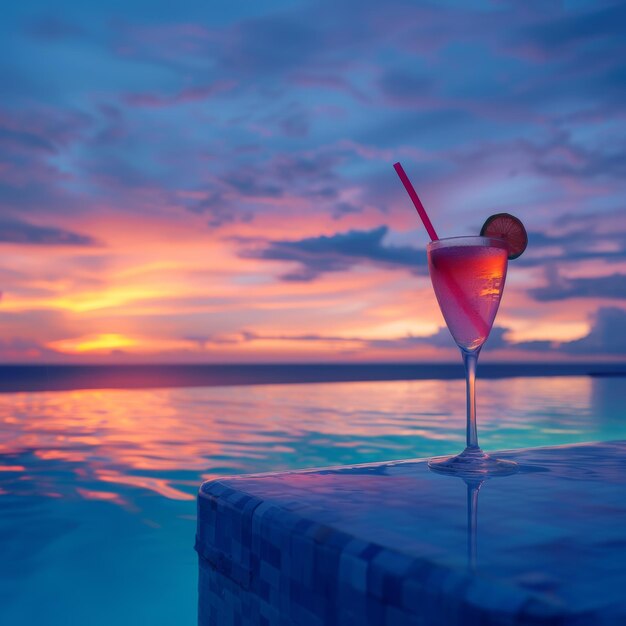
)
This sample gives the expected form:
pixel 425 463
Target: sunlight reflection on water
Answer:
pixel 114 473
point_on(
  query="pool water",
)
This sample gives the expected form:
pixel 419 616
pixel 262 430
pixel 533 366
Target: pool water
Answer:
pixel 97 488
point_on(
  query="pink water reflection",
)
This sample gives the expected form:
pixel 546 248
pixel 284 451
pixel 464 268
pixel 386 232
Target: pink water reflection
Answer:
pixel 165 441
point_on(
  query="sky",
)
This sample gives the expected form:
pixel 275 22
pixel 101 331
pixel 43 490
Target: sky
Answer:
pixel 213 181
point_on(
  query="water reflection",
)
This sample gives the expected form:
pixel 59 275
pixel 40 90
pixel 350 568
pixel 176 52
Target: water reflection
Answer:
pixel 608 400
pixel 473 487
pixel 167 440
pixel 77 466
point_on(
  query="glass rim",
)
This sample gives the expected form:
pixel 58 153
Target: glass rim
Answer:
pixel 484 240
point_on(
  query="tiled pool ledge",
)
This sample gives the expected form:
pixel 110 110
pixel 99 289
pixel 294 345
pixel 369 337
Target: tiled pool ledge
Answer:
pixel 395 544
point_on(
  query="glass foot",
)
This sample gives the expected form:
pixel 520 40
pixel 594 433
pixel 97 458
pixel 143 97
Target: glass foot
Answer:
pixel 472 463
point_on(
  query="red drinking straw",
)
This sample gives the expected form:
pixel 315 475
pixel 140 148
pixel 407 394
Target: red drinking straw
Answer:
pixel 416 201
pixel 452 285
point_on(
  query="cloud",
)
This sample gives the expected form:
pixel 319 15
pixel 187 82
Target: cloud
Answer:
pixel 13 231
pixel 249 335
pixel 537 345
pixel 248 183
pixel 340 252
pixel 598 23
pixel 561 288
pixel 295 124
pixel 220 209
pixel 606 336
pixel 345 208
pixel 566 159
pixel 203 341
pixel 261 187
pixel 18 349
pixel 32 140
pixel 51 28
pixel 407 88
pixel 328 81
pixel 440 339
pixel 184 96
pixel 43 126
pixel 23 139
pixel 576 238
pixel 252 45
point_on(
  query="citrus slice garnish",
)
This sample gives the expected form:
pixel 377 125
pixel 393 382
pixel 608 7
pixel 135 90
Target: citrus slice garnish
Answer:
pixel 508 227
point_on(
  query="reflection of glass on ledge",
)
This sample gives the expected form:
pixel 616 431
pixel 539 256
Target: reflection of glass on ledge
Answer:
pixel 473 487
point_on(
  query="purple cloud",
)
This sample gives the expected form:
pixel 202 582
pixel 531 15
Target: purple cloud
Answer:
pixel 440 339
pixel 597 23
pixel 339 252
pixel 408 89
pixel 607 335
pixel 561 288
pixel 13 231
pixel 25 140
pixel 184 96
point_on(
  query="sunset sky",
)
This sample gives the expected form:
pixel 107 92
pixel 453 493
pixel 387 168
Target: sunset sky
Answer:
pixel 213 182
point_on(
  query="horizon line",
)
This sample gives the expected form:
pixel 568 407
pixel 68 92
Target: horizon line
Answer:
pixel 72 376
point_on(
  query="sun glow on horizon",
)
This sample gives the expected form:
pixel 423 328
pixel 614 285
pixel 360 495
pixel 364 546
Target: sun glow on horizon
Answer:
pixel 105 342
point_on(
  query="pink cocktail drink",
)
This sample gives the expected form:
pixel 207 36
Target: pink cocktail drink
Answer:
pixel 468 275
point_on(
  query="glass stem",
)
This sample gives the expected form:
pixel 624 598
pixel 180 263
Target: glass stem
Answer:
pixel 470 360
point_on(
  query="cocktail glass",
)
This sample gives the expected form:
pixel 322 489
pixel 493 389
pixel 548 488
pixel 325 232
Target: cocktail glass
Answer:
pixel 468 275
